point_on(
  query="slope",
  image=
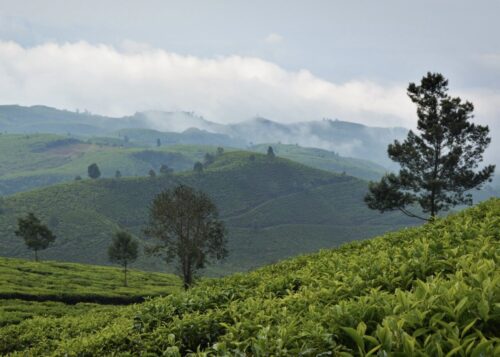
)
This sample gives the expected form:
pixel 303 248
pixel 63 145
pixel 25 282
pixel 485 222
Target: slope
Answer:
pixel 325 160
pixel 428 291
pixel 37 160
pixel 273 208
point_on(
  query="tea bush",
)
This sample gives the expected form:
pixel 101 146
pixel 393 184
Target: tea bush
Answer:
pixel 428 291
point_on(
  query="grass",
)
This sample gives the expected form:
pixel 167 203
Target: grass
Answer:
pixel 432 290
pixel 268 204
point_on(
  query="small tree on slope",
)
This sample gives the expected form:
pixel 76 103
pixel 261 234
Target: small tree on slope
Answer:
pixel 186 224
pixel 37 236
pixel 123 250
pixel 438 165
pixel 93 171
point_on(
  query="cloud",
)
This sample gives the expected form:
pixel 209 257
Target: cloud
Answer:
pixel 136 77
pixel 107 80
pixel 490 60
pixel 273 38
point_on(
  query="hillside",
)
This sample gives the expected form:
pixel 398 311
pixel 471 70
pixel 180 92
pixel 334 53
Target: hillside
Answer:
pixel 325 160
pixel 346 138
pixel 432 290
pixel 30 289
pixel 37 160
pixel 273 207
pixel 190 136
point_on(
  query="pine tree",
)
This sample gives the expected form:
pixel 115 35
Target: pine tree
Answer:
pixel 439 164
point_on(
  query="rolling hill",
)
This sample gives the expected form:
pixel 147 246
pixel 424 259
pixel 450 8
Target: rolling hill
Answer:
pixel 273 207
pixel 346 138
pixel 427 291
pixel 325 160
pixel 37 160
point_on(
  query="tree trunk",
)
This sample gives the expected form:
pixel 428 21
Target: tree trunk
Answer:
pixel 125 271
pixel 188 276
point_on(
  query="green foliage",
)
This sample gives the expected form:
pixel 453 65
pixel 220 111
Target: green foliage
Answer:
pixel 270 151
pixel 14 311
pixel 31 289
pixel 208 159
pixel 44 159
pixel 428 291
pixel 93 171
pixel 123 250
pixel 186 222
pixel 438 165
pixel 37 236
pixel 326 160
pixel 165 170
pixel 71 283
pixel 198 167
pixel 273 208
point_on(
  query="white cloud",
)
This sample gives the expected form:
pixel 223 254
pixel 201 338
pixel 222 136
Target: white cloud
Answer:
pixel 117 82
pixel 273 38
pixel 109 81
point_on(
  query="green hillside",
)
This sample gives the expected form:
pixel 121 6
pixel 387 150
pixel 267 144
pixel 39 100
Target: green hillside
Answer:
pixel 30 289
pixel 273 207
pixel 192 136
pixel 428 291
pixel 37 160
pixel 326 160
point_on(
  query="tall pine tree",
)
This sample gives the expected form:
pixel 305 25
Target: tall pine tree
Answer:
pixel 439 164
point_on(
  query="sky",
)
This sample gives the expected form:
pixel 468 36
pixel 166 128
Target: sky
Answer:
pixel 233 60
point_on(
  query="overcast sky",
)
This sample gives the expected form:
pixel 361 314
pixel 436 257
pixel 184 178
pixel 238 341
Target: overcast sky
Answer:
pixel 232 60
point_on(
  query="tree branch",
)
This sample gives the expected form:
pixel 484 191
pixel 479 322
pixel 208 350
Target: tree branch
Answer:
pixel 410 214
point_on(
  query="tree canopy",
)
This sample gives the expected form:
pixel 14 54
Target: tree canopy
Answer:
pixel 270 151
pixel 37 236
pixel 185 224
pixel 123 250
pixel 439 164
pixel 93 171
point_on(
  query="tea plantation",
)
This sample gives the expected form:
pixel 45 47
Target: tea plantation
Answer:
pixel 427 291
pixel 30 289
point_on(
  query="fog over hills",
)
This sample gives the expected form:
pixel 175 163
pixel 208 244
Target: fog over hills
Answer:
pixel 345 138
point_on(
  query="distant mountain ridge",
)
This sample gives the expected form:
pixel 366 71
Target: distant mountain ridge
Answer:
pixel 346 138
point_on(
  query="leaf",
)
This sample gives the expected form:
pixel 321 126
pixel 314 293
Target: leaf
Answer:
pixel 483 309
pixel 480 349
pixel 468 327
pixel 453 351
pixel 356 337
